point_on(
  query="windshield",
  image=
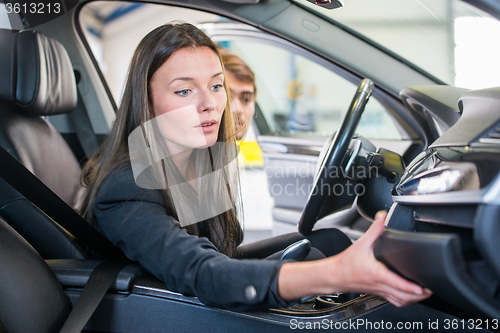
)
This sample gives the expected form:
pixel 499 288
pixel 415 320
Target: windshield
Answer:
pixel 450 40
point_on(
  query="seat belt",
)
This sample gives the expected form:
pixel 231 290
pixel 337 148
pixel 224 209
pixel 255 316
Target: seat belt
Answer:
pixel 96 287
pixel 83 128
pixel 26 183
pixel 21 179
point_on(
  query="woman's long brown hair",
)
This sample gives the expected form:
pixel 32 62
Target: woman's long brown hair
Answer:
pixel 152 52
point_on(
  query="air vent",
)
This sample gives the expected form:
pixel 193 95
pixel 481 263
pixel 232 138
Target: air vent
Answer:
pixel 492 136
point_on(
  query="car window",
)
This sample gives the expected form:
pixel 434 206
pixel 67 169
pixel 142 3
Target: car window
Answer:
pixel 449 39
pixel 298 96
pixel 9 17
pixel 113 29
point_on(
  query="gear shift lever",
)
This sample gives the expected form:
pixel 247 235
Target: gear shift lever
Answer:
pixel 297 251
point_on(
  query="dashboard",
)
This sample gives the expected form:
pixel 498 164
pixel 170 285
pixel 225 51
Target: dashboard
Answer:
pixel 444 224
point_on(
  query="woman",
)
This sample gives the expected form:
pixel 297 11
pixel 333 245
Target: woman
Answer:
pixel 176 99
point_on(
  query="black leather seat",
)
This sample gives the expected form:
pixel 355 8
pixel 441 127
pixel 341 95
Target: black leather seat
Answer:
pixel 37 80
pixel 32 298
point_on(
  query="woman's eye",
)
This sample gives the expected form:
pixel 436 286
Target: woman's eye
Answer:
pixel 216 87
pixel 183 92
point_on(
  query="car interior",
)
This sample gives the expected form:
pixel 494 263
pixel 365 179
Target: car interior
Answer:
pixel 29 94
pixel 439 181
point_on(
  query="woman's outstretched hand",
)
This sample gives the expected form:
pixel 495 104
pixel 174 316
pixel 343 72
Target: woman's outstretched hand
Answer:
pixel 364 273
pixel 353 270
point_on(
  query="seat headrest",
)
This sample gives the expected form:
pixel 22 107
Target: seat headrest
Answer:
pixel 36 73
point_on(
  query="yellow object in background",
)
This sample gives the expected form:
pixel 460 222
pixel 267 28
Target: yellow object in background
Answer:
pixel 252 155
pixel 295 89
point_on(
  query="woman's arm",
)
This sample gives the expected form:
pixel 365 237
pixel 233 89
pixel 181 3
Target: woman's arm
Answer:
pixel 135 220
pixel 355 270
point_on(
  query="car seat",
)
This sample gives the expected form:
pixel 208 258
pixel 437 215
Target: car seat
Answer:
pixel 37 80
pixel 32 298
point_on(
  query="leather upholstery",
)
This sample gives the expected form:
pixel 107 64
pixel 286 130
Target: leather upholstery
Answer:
pixel 50 241
pixel 36 74
pixel 36 78
pixel 32 298
pixel 43 151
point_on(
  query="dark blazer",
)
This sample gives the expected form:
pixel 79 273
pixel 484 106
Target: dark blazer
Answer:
pixel 135 220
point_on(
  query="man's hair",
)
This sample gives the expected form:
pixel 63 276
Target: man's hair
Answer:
pixel 232 63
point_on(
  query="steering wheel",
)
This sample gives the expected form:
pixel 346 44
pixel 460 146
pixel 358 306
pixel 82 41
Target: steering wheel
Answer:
pixel 328 175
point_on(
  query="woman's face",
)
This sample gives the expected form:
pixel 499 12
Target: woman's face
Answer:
pixel 188 98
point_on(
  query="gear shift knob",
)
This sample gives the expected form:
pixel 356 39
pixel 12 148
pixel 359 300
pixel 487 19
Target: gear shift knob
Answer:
pixel 297 251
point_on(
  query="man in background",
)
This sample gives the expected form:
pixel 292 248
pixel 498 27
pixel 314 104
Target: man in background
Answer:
pixel 241 81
